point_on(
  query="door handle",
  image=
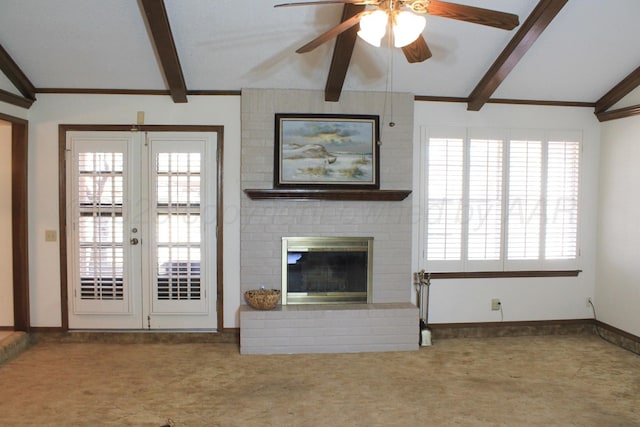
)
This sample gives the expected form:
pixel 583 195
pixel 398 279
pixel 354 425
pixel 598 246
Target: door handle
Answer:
pixel 134 241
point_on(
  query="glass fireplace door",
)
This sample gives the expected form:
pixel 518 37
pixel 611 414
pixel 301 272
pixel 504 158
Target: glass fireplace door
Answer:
pixel 326 270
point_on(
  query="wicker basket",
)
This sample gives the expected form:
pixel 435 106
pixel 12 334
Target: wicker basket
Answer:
pixel 262 299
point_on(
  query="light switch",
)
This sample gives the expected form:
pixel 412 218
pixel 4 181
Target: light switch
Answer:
pixel 50 235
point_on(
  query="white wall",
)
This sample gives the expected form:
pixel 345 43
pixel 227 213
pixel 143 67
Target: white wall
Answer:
pixel 6 251
pixel 469 300
pixel 618 268
pixel 617 294
pixel 51 110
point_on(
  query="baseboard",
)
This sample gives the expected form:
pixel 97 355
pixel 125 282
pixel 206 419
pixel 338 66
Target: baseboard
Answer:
pixel 53 334
pixel 13 345
pixel 618 337
pixel 47 329
pixel 512 329
pixel 61 329
pixel 609 333
pixel 6 328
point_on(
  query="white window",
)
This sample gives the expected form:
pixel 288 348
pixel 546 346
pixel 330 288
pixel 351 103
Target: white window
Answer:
pixel 499 201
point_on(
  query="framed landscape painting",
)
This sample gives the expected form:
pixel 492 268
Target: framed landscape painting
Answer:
pixel 326 151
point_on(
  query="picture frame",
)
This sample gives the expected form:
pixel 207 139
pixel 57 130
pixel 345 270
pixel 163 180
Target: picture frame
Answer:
pixel 327 151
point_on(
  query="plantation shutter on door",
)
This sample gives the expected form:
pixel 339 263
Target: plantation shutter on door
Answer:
pixel 178 226
pixel 98 182
pixel 179 272
pixel 141 254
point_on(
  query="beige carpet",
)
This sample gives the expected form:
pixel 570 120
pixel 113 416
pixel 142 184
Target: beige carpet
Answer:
pixel 524 381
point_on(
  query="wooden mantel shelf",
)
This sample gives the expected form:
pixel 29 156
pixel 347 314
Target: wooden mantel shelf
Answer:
pixel 321 194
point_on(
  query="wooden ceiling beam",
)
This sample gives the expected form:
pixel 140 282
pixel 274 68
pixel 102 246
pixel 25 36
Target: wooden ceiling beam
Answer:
pixel 342 52
pixel 620 113
pixel 165 47
pixel 16 76
pixel 618 92
pixel 527 34
pixel 14 99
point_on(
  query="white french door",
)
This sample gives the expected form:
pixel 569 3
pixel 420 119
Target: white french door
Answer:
pixel 141 223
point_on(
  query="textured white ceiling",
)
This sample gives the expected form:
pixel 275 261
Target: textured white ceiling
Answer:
pixel 230 45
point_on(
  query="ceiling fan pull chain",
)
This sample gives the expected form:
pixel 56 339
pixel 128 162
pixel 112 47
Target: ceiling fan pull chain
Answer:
pixel 388 95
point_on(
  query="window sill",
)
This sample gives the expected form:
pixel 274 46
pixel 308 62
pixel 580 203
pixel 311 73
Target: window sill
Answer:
pixel 504 274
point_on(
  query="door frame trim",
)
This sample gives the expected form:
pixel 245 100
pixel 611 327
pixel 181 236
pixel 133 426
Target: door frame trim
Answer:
pixel 20 221
pixel 62 204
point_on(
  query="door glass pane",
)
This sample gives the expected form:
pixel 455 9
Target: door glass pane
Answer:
pixel 100 226
pixel 178 229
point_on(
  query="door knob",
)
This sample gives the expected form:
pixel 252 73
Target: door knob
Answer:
pixel 134 241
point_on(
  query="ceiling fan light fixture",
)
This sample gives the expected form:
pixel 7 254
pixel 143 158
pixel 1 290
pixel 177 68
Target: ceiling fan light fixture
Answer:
pixel 373 27
pixel 407 27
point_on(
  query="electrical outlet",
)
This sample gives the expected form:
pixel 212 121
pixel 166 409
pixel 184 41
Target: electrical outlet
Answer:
pixel 589 302
pixel 495 304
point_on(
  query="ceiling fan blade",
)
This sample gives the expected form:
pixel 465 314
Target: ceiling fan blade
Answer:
pixel 333 32
pixel 418 51
pixel 476 15
pixel 318 2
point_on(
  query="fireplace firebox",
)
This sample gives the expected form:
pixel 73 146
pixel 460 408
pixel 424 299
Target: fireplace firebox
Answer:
pixel 327 270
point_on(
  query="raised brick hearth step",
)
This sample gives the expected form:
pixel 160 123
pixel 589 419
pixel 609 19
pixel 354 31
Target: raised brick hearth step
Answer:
pixel 345 328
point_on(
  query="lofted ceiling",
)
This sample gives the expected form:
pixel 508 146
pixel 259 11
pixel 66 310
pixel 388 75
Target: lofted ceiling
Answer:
pixel 588 54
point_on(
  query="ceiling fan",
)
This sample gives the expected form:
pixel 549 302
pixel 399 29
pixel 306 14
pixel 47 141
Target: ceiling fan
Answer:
pixel 405 20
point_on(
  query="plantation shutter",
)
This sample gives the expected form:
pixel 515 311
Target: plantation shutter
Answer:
pixel 525 198
pixel 485 199
pixel 499 200
pixel 563 170
pixel 444 200
pixel 141 253
pixel 97 226
pixel 178 225
pixel 100 225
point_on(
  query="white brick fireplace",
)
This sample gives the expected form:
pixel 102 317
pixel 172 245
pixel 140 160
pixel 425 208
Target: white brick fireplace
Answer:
pixel 265 222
